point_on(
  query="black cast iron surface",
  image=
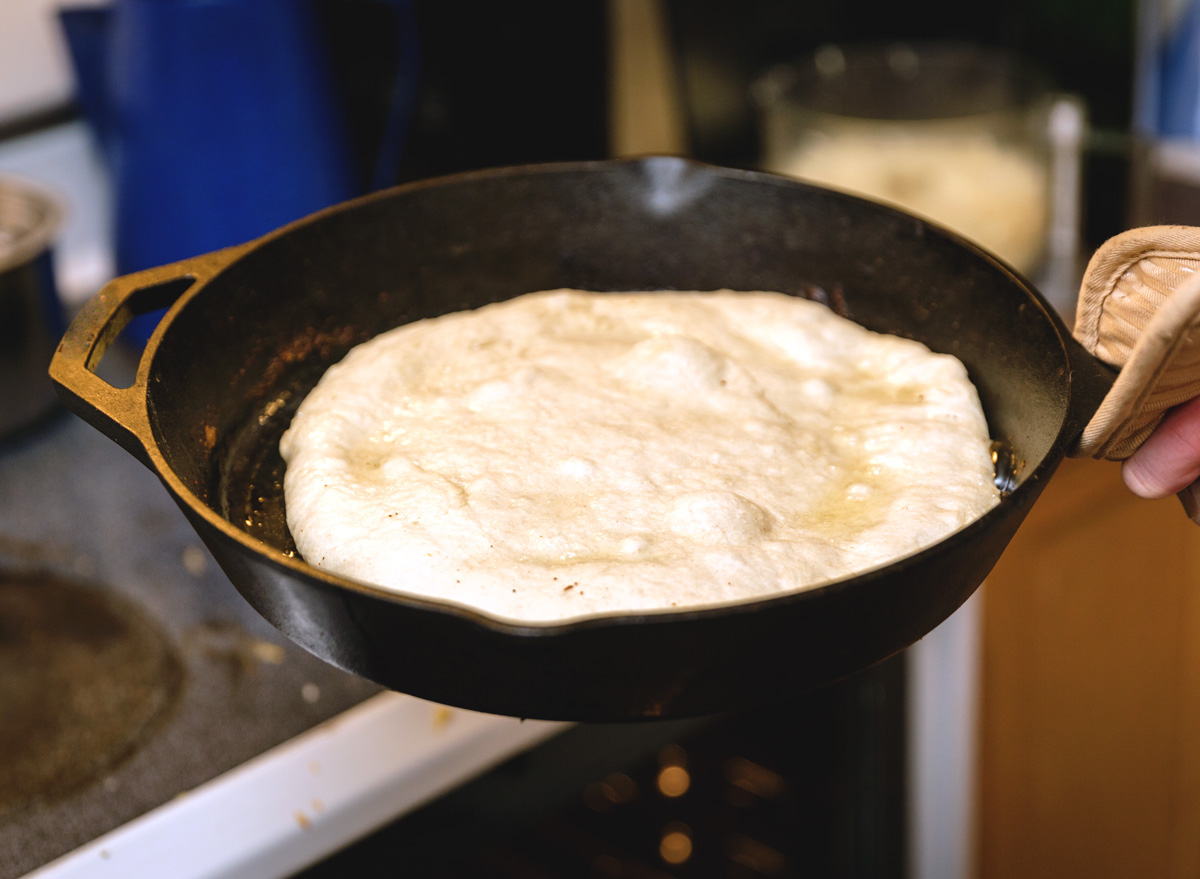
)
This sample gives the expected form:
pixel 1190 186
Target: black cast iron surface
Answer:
pixel 154 675
pixel 261 323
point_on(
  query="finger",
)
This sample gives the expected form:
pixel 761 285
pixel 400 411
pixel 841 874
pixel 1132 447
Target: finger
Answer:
pixel 1169 460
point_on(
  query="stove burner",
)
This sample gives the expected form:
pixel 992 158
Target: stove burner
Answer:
pixel 85 677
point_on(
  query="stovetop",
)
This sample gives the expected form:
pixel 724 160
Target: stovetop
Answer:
pixel 151 723
pixel 138 671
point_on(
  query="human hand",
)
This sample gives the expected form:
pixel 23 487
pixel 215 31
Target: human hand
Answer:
pixel 1139 310
pixel 1168 462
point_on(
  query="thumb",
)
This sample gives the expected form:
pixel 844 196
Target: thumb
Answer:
pixel 1169 460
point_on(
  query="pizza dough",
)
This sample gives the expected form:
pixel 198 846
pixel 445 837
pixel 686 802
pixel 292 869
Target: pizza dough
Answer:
pixel 565 454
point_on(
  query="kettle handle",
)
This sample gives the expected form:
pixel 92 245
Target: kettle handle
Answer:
pixel 120 412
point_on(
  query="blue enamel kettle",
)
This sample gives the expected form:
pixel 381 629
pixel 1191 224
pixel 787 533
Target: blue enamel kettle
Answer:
pixel 220 119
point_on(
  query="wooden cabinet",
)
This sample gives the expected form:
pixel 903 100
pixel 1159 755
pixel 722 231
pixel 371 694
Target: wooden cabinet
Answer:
pixel 1090 709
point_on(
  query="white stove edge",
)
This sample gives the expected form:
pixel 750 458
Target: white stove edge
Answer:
pixel 305 799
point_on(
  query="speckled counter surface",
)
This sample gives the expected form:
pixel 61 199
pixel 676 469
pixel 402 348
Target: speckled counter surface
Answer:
pixel 76 508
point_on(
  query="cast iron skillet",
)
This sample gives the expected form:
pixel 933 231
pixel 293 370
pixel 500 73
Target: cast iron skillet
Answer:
pixel 250 330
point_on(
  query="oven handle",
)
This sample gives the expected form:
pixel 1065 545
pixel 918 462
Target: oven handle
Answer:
pixel 121 413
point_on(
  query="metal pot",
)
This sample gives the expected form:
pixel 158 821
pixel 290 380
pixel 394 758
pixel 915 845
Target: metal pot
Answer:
pixel 31 319
pixel 251 329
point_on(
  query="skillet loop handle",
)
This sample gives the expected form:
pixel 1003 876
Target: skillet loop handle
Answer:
pixel 120 412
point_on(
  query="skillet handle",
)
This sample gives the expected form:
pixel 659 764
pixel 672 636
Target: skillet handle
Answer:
pixel 120 413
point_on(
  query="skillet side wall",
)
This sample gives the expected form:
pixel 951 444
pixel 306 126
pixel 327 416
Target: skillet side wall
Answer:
pixel 237 358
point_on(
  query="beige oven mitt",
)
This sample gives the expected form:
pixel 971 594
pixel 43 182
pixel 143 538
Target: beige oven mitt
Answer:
pixel 1139 310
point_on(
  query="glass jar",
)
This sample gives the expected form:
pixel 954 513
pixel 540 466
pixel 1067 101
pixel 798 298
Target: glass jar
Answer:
pixel 960 135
